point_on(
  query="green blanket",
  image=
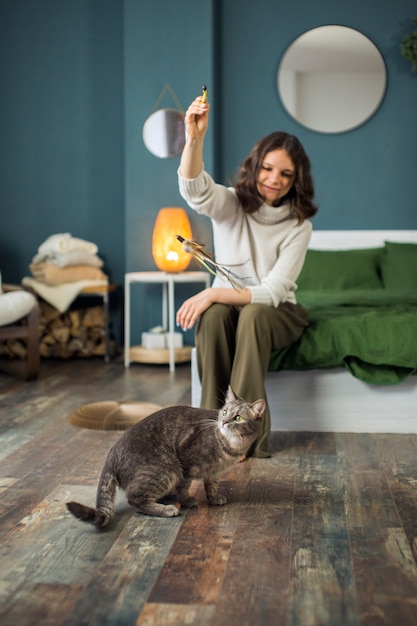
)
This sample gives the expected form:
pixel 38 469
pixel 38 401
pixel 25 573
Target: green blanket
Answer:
pixel 372 332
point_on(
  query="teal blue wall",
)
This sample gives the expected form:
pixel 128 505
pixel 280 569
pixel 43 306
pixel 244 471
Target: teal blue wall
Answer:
pixel 61 116
pixel 78 79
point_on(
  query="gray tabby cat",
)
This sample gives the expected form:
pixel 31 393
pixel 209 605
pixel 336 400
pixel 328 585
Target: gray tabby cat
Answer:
pixel 163 453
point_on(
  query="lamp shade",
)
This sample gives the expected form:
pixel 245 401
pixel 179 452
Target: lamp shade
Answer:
pixel 167 251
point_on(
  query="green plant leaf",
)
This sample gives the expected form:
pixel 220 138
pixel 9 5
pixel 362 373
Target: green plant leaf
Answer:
pixel 408 47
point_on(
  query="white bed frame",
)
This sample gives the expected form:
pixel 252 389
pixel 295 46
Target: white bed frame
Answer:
pixel 334 400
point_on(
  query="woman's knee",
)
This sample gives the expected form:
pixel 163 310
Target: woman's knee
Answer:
pixel 254 317
pixel 216 316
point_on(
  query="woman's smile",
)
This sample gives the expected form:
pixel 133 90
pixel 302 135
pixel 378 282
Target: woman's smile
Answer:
pixel 269 188
pixel 276 176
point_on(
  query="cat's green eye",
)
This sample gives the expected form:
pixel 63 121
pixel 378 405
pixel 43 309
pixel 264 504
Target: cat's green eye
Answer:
pixel 224 412
pixel 238 418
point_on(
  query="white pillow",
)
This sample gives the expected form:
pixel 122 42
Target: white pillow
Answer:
pixel 14 305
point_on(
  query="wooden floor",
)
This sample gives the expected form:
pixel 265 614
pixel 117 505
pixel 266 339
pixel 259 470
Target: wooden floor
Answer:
pixel 323 533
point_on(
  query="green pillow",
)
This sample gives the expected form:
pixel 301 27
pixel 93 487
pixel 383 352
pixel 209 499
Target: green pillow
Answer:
pixel 341 269
pixel 399 265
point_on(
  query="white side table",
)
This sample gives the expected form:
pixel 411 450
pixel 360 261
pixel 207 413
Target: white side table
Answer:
pixel 168 281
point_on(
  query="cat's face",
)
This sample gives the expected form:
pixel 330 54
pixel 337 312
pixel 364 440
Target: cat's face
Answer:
pixel 238 418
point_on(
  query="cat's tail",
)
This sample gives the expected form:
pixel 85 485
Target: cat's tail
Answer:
pixel 104 513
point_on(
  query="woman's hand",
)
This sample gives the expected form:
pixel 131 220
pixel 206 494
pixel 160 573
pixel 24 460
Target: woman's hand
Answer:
pixel 191 309
pixel 196 119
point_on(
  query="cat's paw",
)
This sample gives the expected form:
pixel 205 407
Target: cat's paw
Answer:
pixel 218 500
pixel 189 502
pixel 170 510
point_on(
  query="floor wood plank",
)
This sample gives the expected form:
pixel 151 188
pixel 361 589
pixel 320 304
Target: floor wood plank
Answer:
pixel 322 582
pixel 175 614
pixel 255 590
pixel 125 577
pixel 386 576
pixel 45 604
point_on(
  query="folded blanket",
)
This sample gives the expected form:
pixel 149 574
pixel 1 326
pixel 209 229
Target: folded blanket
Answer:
pixel 61 296
pixel 72 257
pixel 63 242
pixel 52 275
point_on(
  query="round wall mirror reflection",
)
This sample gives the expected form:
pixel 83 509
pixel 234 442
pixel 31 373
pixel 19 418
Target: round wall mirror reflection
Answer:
pixel 164 133
pixel 332 79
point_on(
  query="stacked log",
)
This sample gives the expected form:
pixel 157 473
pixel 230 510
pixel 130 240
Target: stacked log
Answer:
pixel 77 333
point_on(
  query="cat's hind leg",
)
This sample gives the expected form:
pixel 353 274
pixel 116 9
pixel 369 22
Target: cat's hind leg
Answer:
pixel 144 495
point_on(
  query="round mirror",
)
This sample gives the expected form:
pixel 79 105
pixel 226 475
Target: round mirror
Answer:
pixel 164 133
pixel 332 79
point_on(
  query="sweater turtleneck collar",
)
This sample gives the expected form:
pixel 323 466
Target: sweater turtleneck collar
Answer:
pixel 267 214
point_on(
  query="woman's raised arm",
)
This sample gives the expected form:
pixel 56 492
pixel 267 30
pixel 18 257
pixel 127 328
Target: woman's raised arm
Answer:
pixel 196 125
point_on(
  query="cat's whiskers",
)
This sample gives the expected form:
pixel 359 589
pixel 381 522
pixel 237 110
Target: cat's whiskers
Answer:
pixel 206 424
pixel 227 429
pixel 235 432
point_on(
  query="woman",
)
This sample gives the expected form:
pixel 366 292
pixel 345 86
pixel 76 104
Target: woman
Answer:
pixel 261 231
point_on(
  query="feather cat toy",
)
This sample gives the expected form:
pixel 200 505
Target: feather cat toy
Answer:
pixel 202 257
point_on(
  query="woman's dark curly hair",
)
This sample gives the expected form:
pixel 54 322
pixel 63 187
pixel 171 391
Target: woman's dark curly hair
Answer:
pixel 301 193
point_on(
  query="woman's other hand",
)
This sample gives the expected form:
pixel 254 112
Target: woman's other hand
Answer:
pixel 191 309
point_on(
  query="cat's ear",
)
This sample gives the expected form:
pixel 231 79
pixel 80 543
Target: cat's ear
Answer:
pixel 259 407
pixel 230 395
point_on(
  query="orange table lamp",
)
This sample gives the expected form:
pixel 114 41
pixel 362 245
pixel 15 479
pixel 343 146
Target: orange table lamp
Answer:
pixel 167 251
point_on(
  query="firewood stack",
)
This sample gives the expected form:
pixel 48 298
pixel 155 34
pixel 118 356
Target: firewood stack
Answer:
pixel 73 334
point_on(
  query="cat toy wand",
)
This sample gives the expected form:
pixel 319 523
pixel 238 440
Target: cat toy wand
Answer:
pixel 202 257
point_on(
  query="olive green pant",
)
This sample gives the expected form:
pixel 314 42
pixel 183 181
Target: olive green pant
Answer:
pixel 234 347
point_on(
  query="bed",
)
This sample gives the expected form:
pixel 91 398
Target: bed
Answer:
pixel 353 370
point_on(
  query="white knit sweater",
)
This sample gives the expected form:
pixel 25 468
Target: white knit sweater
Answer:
pixel 266 249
